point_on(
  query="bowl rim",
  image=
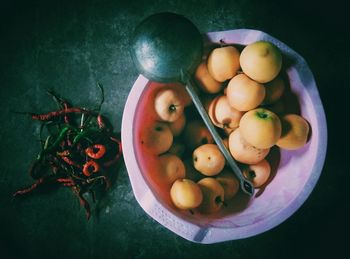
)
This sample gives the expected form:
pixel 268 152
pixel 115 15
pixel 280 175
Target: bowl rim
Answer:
pixel 188 230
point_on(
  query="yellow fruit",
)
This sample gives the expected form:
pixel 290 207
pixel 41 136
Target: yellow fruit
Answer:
pixel 196 134
pixel 205 81
pixel 295 130
pixel 171 168
pixel 261 128
pixel 223 63
pixel 224 114
pixel 229 182
pixel 186 194
pixel 244 94
pixel 191 172
pixel 158 138
pixel 273 90
pixel 242 151
pixel 168 105
pixel 213 195
pixel 177 126
pixel 258 173
pixel 208 159
pixel 261 61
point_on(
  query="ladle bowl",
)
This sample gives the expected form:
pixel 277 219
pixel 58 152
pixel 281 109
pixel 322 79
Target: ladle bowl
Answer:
pixel 167 47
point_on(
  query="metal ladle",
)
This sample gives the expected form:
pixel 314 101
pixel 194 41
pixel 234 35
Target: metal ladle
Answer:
pixel 167 47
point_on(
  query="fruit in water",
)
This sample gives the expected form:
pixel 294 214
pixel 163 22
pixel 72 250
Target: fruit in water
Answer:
pixel 295 131
pixel 223 63
pixel 171 168
pixel 196 134
pixel 213 195
pixel 244 94
pixel 168 105
pixel 177 149
pixel 177 126
pixel 191 172
pixel 229 182
pixel 208 159
pixel 261 61
pixel 158 138
pixel 261 128
pixel 186 194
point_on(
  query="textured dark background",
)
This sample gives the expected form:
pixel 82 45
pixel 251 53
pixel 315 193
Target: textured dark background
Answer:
pixel 70 45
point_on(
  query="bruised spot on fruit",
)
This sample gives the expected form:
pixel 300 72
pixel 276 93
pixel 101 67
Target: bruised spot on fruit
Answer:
pixel 209 157
pixel 252 174
pixel 195 159
pixel 172 108
pixel 142 142
pixel 204 141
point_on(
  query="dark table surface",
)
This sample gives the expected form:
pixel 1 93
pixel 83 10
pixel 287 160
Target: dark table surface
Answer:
pixel 68 46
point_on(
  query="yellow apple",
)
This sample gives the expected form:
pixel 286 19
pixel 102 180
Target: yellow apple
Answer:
pixel 177 126
pixel 223 63
pixel 168 105
pixel 171 168
pixel 196 134
pixel 295 130
pixel 242 151
pixel 261 128
pixel 273 90
pixel 229 182
pixel 224 114
pixel 261 61
pixel 205 81
pixel 244 94
pixel 213 195
pixel 208 159
pixel 157 138
pixel 186 194
pixel 258 173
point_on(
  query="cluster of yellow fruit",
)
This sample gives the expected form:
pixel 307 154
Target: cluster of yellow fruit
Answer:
pixel 249 130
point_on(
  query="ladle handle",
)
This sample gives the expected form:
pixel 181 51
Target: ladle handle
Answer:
pixel 246 185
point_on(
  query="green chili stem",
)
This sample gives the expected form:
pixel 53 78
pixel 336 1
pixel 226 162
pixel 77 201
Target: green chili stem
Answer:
pixel 85 134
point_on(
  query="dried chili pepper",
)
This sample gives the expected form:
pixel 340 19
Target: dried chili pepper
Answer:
pixel 90 167
pixel 70 151
pixel 51 115
pixel 96 151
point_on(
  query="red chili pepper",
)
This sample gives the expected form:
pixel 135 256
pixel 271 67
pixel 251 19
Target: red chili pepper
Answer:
pixel 100 121
pixel 83 201
pixel 51 115
pixel 90 167
pixel 30 188
pixel 96 151
pixel 70 161
pixel 66 182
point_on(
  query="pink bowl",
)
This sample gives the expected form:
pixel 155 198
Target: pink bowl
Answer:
pixel 296 172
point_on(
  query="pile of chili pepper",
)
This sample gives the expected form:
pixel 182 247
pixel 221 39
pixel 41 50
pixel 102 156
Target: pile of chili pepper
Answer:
pixel 78 148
